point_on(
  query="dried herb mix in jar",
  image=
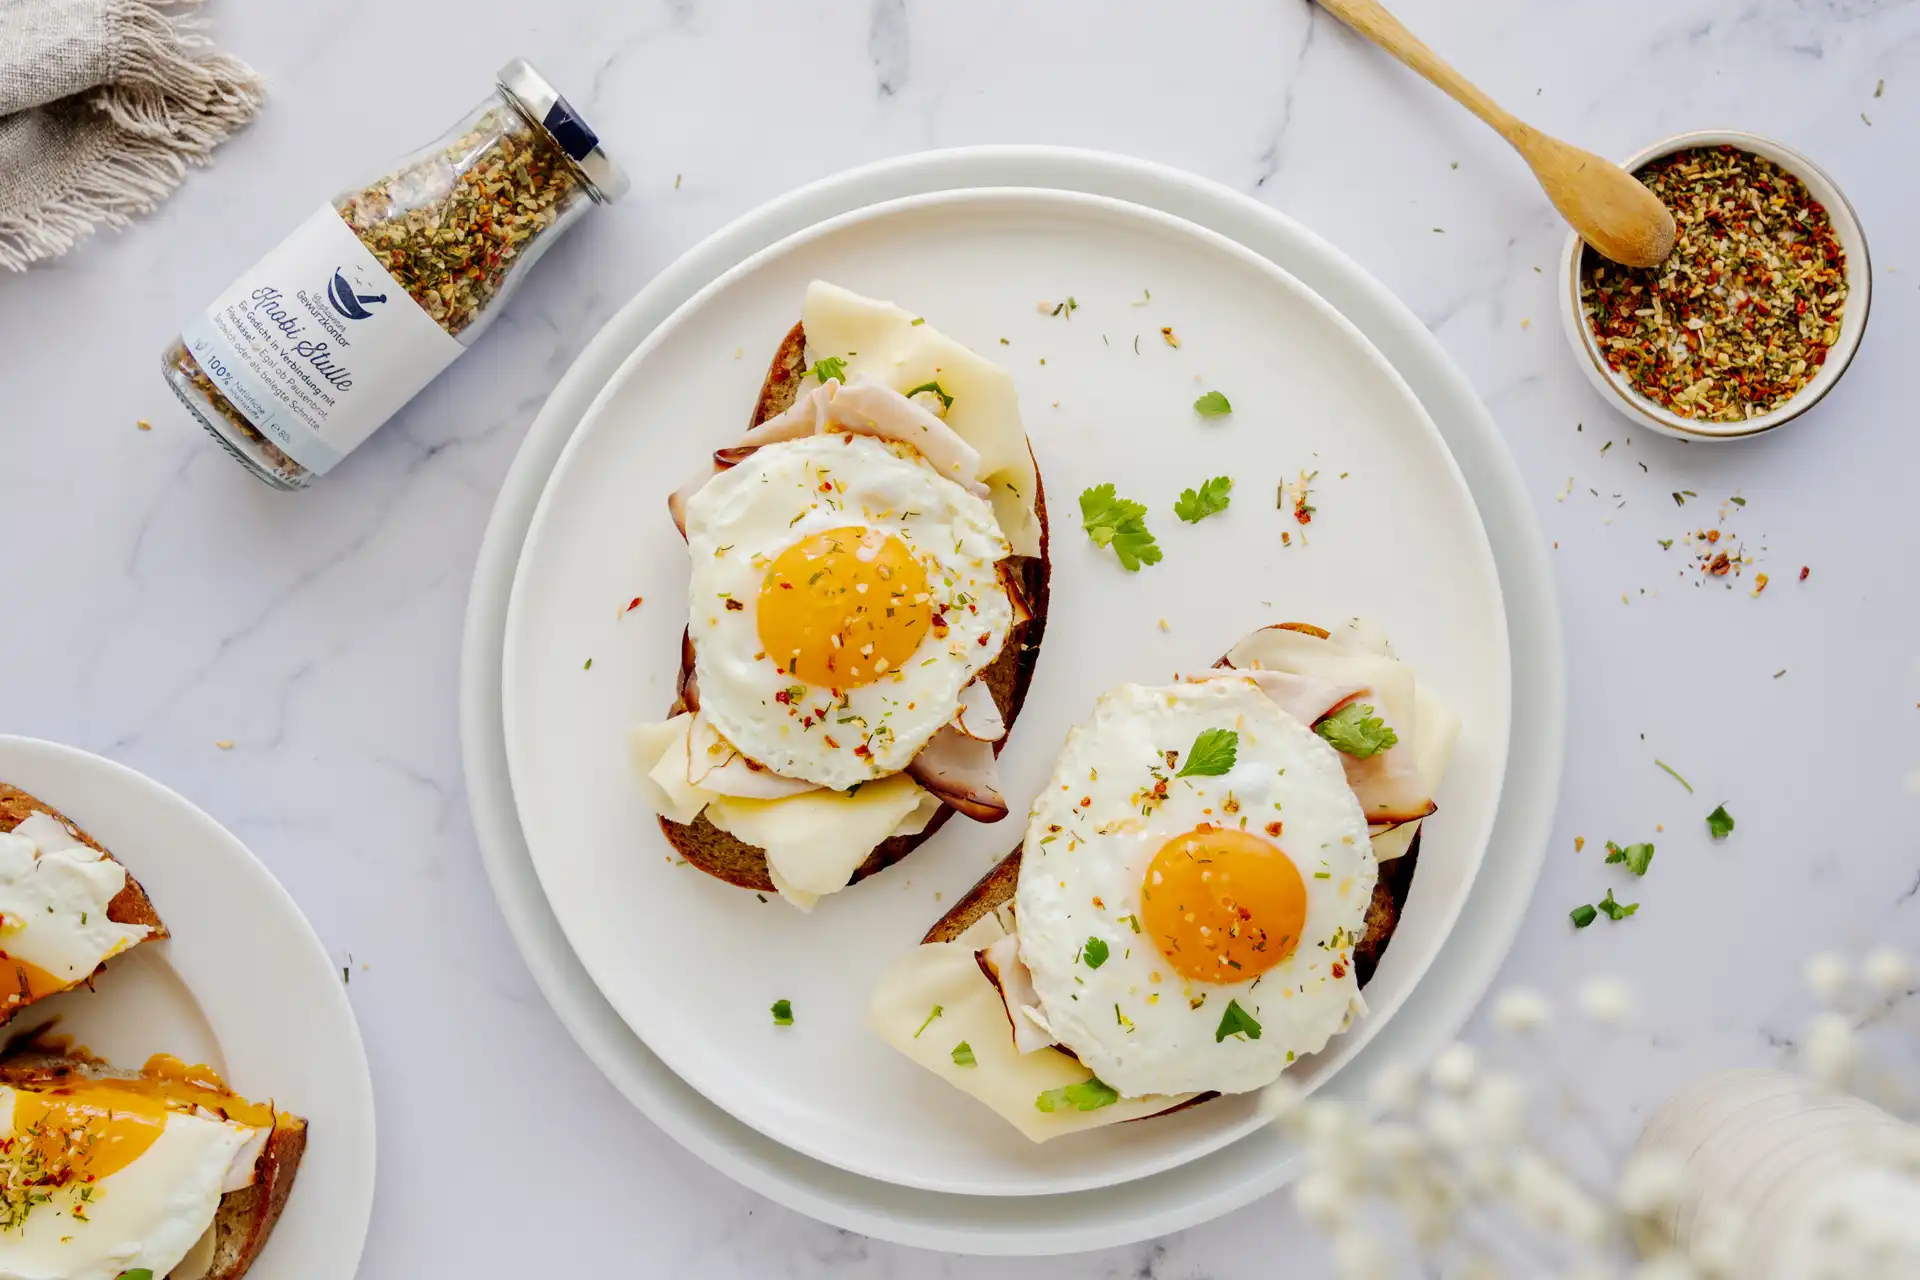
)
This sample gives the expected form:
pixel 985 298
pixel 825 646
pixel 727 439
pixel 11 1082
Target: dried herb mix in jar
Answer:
pixel 367 301
pixel 1742 314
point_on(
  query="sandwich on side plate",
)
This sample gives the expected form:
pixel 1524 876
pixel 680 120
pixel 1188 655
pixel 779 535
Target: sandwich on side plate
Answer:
pixel 110 1174
pixel 1207 881
pixel 868 592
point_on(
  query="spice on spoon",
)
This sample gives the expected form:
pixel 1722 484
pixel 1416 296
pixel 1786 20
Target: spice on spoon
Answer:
pixel 1743 313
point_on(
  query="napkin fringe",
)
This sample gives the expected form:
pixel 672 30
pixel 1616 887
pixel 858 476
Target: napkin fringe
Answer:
pixel 171 98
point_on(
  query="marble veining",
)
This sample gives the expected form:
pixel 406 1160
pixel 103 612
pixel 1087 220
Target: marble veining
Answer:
pixel 163 602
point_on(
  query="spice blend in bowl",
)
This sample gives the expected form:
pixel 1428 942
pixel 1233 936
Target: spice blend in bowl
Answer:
pixel 1756 312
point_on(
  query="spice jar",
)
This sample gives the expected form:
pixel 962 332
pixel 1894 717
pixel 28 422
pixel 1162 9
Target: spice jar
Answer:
pixel 325 338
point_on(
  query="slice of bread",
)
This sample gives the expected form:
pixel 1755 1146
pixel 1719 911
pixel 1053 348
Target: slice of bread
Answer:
pixel 720 854
pixel 130 906
pixel 246 1217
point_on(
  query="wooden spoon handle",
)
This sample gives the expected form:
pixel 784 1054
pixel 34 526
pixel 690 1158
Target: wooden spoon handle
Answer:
pixel 1371 20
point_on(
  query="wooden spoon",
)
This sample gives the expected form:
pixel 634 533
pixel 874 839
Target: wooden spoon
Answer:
pixel 1611 209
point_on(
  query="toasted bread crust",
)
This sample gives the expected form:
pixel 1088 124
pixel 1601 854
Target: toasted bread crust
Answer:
pixel 245 1217
pixel 1008 677
pixel 130 906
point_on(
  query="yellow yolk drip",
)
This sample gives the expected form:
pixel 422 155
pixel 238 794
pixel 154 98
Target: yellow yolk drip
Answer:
pixel 89 1129
pixel 1223 905
pixel 842 608
pixel 24 982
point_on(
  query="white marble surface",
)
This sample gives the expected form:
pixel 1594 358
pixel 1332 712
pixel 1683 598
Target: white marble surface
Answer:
pixel 164 600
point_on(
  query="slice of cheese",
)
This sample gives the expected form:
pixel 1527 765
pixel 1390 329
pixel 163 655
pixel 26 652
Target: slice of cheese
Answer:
pixel 946 975
pixel 659 755
pixel 815 841
pixel 884 342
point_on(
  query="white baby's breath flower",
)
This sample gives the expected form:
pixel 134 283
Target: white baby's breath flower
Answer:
pixel 1888 972
pixel 1826 976
pixel 1651 1183
pixel 1667 1266
pixel 1326 1122
pixel 1828 1049
pixel 1359 1256
pixel 1281 1100
pixel 1715 1244
pixel 1608 1001
pixel 1449 1123
pixel 1391 1146
pixel 1455 1068
pixel 1321 1200
pixel 1913 782
pixel 1522 1011
pixel 1395 1090
pixel 1500 1107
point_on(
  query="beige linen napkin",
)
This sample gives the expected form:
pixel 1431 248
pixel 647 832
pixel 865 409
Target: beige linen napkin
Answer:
pixel 103 105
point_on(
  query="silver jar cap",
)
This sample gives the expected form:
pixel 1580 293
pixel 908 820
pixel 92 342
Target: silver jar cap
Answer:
pixel 534 94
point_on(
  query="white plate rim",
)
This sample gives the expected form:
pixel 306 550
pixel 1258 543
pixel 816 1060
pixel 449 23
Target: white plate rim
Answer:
pixel 1180 1197
pixel 1085 204
pixel 345 1218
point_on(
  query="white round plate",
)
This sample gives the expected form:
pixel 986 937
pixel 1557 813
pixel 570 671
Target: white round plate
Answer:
pixel 691 963
pixel 242 985
pixel 1244 1169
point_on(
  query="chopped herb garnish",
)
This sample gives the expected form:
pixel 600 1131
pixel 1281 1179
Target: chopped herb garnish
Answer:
pixel 830 367
pixel 588 666
pixel 937 1011
pixel 1638 857
pixel 1211 498
pixel 783 1013
pixel 1583 916
pixel 1212 405
pixel 1720 823
pixel 1675 776
pixel 1616 910
pixel 963 1055
pixel 1213 753
pixel 1236 1021
pixel 1355 731
pixel 946 401
pixel 1118 523
pixel 1089 1095
pixel 1094 952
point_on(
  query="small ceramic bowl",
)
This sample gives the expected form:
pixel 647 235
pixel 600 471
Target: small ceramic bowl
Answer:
pixel 1853 319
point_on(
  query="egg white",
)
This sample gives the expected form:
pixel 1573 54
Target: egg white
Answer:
pixel 742 519
pixel 1140 1025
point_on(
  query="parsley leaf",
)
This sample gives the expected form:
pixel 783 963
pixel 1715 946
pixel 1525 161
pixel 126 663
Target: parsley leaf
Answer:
pixel 1583 916
pixel 963 1055
pixel 1638 857
pixel 1212 405
pixel 1118 523
pixel 1094 952
pixel 937 1011
pixel 138 1273
pixel 1213 753
pixel 1616 910
pixel 1720 823
pixel 1354 730
pixel 830 367
pixel 1089 1095
pixel 1211 498
pixel 1236 1021
pixel 783 1013
pixel 946 401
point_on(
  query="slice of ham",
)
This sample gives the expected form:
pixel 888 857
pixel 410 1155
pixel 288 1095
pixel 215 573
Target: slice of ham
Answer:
pixel 979 716
pixel 1307 699
pixel 1008 972
pixel 716 765
pixel 869 408
pixel 962 771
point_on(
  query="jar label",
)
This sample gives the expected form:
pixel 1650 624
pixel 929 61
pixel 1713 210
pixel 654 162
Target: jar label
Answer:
pixel 317 344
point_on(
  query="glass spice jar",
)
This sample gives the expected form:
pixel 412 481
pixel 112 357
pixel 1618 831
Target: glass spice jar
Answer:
pixel 324 339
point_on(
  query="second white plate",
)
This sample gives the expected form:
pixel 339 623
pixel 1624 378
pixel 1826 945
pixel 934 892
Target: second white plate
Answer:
pixel 692 964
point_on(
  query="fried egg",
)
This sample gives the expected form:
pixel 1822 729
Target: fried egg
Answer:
pixel 54 895
pixel 843 595
pixel 1194 879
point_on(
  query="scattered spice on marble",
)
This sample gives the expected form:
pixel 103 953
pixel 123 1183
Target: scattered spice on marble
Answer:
pixel 1804 571
pixel 1168 334
pixel 143 424
pixel 1743 313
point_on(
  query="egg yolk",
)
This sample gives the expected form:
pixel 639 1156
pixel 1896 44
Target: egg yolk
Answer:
pixel 89 1129
pixel 1223 905
pixel 842 608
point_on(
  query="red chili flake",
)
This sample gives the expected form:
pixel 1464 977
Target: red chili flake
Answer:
pixel 861 750
pixel 1804 571
pixel 735 605
pixel 983 641
pixel 1719 565
pixel 1713 535
pixel 1098 903
pixel 1274 829
pixel 831 742
pixel 1085 801
pixel 783 696
pixel 634 605
pixel 1339 970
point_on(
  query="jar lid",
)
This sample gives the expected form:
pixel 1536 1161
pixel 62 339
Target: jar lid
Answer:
pixel 534 94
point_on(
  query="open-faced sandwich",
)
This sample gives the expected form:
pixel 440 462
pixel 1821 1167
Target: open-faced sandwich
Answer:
pixel 162 1173
pixel 868 589
pixel 1200 896
pixel 66 905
